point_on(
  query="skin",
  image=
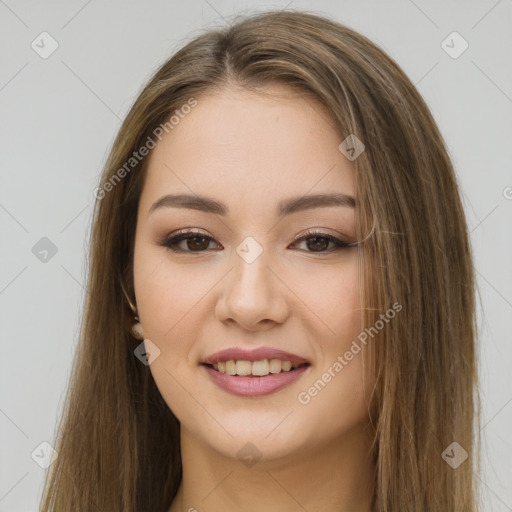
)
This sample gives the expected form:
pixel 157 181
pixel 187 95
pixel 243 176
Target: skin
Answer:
pixel 250 151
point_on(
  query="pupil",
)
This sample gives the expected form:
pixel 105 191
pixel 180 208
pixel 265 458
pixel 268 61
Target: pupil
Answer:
pixel 201 246
pixel 322 242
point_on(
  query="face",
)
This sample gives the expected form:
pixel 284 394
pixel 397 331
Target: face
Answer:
pixel 251 276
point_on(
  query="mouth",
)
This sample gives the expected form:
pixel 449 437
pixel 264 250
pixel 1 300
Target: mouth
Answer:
pixel 262 383
pixel 254 373
pixel 260 368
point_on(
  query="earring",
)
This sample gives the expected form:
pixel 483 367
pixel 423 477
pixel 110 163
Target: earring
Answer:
pixel 137 330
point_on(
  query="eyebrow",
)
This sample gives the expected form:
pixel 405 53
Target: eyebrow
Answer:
pixel 286 206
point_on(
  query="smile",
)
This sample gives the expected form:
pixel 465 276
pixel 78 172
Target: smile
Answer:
pixel 250 385
pixel 260 368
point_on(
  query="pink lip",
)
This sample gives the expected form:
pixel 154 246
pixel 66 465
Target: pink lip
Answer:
pixel 258 354
pixel 254 386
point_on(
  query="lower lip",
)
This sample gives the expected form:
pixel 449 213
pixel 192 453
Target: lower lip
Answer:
pixel 254 386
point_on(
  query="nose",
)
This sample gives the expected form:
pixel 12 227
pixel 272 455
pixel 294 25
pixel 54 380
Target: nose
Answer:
pixel 253 297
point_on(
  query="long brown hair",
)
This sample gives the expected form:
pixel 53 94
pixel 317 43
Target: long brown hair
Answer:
pixel 118 441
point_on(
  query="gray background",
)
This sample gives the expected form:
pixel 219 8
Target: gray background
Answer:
pixel 59 116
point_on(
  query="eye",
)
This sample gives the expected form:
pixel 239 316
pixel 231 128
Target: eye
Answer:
pixel 317 241
pixel 195 241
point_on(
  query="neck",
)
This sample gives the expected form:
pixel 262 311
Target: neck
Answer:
pixel 333 477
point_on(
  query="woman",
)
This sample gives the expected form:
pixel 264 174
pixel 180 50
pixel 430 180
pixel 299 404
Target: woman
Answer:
pixel 281 292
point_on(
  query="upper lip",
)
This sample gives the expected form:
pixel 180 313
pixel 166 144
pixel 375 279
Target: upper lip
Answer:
pixel 257 354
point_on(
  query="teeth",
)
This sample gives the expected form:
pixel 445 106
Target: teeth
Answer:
pixel 230 368
pixel 286 365
pixel 260 368
pixel 275 365
pixel 257 368
pixel 243 368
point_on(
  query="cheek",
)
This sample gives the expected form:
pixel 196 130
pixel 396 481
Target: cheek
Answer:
pixel 331 405
pixel 334 299
pixel 169 302
pixel 331 297
pixel 167 295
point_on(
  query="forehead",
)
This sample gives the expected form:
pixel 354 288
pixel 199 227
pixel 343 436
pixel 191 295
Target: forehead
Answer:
pixel 236 144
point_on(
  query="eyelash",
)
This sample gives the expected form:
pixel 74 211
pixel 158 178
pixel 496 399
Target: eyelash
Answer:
pixel 170 242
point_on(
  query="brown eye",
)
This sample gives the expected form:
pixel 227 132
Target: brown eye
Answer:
pixel 194 242
pixel 319 242
pixel 316 243
pixel 194 245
